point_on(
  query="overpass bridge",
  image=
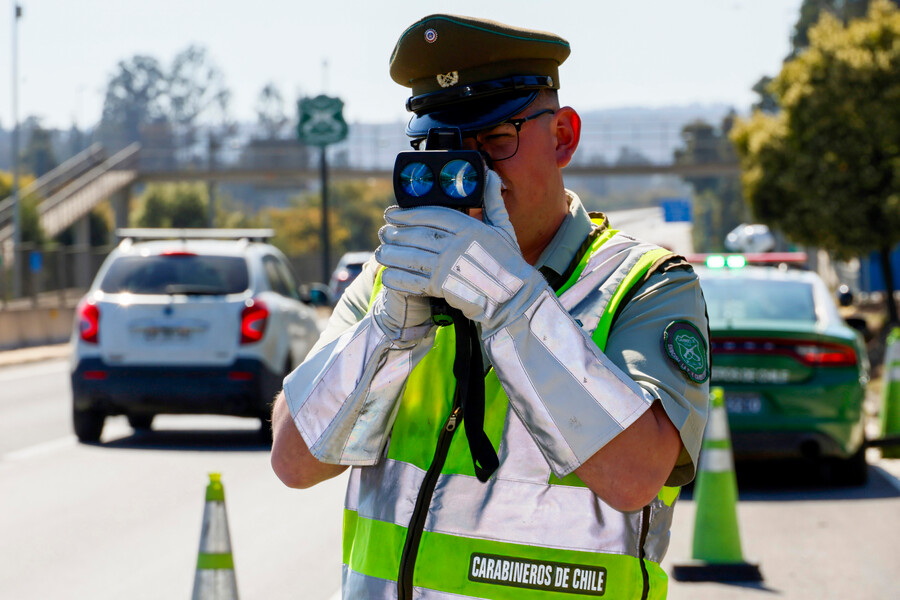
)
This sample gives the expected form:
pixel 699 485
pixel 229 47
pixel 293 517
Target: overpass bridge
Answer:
pixel 71 191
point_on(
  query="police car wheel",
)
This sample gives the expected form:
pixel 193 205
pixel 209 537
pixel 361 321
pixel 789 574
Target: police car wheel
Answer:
pixel 88 424
pixel 852 471
pixel 140 422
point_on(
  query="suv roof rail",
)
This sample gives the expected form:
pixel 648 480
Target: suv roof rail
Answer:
pixel 159 233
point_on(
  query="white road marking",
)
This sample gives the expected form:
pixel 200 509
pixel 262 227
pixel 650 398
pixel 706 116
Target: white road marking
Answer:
pixel 42 448
pixel 40 369
pixel 113 430
pixel 336 596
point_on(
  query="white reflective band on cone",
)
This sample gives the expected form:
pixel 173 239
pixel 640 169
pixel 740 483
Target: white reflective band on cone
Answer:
pixel 892 353
pixel 214 536
pixel 716 460
pixel 215 584
pixel 717 428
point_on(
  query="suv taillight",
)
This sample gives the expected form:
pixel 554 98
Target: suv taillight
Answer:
pixel 253 321
pixel 88 321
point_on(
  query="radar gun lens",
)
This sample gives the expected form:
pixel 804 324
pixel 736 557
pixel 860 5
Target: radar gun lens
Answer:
pixel 416 179
pixel 459 179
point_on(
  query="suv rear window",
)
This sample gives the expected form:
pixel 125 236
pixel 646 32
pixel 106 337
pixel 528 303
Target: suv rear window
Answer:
pixel 744 298
pixel 177 274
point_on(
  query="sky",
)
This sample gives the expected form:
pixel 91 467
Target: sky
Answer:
pixel 648 53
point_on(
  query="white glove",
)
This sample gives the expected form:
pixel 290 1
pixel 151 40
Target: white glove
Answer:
pixel 404 319
pixel 476 266
pixel 570 397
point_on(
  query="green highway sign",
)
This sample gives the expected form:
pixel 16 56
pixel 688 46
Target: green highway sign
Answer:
pixel 321 121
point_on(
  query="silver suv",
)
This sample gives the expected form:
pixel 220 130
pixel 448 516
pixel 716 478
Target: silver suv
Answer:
pixel 184 321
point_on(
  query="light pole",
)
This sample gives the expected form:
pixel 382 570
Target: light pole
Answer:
pixel 17 209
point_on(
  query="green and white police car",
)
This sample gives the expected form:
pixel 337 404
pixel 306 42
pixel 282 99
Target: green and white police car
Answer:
pixel 794 372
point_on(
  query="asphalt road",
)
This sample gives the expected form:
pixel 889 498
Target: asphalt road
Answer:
pixel 121 519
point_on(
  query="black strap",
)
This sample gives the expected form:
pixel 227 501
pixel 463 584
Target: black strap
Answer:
pixel 470 393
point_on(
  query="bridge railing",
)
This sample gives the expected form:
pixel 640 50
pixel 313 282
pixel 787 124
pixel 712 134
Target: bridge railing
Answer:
pixel 56 178
pixel 124 159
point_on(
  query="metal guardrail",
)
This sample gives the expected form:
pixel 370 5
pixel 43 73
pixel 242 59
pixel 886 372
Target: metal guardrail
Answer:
pixel 77 198
pixel 56 178
pixel 70 169
pixel 120 160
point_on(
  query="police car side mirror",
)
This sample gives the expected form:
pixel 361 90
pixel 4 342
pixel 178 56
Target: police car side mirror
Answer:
pixel 845 296
pixel 315 294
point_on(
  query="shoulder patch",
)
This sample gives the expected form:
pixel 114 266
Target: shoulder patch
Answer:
pixel 684 345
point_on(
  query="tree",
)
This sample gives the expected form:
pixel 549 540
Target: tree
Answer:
pixel 812 10
pixel 168 205
pixel 187 208
pixel 270 112
pixel 630 156
pixel 719 205
pixel 766 102
pixel 32 232
pixel 38 156
pixel 147 103
pixel 133 100
pixel 356 212
pixel 100 227
pixel 825 170
pixel 77 141
pixel 195 87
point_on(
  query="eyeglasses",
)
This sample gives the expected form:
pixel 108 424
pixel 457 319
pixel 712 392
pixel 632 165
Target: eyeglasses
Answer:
pixel 501 141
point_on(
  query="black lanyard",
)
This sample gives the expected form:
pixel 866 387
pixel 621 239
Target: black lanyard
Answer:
pixel 467 368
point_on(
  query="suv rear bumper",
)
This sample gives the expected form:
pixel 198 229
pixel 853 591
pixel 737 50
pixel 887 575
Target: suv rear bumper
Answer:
pixel 245 388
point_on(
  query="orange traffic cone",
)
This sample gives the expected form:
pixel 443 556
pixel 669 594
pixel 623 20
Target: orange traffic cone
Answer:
pixel 215 578
pixel 717 541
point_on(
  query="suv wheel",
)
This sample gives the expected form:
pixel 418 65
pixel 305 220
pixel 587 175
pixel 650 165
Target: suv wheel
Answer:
pixel 140 422
pixel 88 424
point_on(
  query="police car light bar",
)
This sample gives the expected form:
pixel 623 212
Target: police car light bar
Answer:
pixel 153 233
pixel 736 261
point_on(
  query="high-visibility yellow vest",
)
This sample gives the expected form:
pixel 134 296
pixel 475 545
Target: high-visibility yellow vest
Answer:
pixel 525 533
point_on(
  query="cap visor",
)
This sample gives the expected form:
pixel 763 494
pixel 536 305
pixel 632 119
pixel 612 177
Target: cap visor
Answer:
pixel 471 115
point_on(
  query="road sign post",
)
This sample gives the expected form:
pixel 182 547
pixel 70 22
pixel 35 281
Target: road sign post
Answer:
pixel 321 124
pixel 15 192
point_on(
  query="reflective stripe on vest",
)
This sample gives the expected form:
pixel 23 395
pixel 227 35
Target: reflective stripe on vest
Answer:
pixel 524 533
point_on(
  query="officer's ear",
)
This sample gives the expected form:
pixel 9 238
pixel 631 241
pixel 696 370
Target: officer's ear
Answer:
pixel 568 133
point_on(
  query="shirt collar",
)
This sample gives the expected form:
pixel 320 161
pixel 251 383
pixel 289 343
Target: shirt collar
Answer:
pixel 575 227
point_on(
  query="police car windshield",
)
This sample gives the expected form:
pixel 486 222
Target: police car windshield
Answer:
pixel 177 274
pixel 751 299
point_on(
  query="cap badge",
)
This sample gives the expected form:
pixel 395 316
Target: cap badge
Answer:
pixel 430 36
pixel 448 79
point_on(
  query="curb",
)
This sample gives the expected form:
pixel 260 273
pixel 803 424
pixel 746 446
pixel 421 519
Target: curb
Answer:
pixel 34 354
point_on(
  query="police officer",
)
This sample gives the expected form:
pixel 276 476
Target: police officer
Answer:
pixel 596 353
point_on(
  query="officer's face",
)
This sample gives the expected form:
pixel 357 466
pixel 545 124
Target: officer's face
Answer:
pixel 533 189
